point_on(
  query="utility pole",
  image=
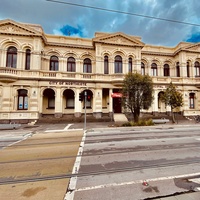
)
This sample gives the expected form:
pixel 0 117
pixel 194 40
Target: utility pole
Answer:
pixel 85 99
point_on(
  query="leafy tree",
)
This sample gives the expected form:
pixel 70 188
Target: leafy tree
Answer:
pixel 173 98
pixel 137 93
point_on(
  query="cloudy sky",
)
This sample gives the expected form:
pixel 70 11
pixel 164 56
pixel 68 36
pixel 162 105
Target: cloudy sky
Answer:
pixel 82 18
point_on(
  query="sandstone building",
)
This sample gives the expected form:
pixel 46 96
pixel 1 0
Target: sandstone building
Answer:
pixel 42 74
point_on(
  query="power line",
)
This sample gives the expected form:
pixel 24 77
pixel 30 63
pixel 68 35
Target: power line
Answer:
pixel 123 12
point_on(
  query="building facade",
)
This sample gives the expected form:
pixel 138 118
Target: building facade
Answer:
pixel 43 74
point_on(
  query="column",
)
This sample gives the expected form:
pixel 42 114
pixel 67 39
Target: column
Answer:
pixel 155 103
pixel 58 103
pixel 97 103
pixel 78 104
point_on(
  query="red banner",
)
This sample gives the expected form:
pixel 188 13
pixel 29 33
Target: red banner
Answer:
pixel 116 95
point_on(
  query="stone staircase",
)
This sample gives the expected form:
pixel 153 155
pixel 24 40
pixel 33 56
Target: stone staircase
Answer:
pixel 120 117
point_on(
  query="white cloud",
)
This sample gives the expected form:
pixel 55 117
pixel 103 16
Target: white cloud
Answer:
pixel 52 16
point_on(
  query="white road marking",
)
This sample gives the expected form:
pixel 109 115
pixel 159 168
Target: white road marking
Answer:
pixel 67 126
pixel 136 182
pixel 73 181
pixel 62 130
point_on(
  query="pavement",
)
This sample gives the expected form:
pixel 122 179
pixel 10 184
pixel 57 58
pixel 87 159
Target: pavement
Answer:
pixel 27 130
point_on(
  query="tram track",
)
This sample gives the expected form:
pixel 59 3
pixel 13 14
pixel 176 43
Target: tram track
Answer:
pixel 111 151
pixel 5 181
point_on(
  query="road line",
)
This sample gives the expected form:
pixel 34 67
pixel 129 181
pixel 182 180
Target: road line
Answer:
pixel 73 180
pixel 67 126
pixel 135 182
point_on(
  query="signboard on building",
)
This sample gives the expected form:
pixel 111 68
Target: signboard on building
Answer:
pixel 116 95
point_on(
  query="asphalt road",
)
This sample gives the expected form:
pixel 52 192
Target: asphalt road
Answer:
pixel 138 163
pixel 35 167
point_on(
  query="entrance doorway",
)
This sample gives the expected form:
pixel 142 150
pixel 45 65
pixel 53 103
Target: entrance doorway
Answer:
pixel 117 105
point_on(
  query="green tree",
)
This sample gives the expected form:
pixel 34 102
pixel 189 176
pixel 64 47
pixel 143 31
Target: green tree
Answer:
pixel 173 98
pixel 137 93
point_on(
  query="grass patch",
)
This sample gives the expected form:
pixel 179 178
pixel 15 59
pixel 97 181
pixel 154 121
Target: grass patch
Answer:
pixel 141 122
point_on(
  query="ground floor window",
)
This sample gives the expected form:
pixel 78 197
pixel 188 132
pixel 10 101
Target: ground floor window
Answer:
pixel 22 100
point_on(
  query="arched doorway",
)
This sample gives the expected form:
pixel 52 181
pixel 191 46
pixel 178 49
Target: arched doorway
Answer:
pixel 68 101
pixel 48 101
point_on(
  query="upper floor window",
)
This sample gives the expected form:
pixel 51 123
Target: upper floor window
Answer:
pixel 197 68
pixel 87 66
pixel 71 64
pixel 11 57
pixel 27 59
pixel 130 65
pixel 142 68
pixel 106 65
pixel 191 100
pixel 53 63
pixel 177 69
pixel 188 69
pixel 22 100
pixel 154 69
pixel 166 70
pixel 118 64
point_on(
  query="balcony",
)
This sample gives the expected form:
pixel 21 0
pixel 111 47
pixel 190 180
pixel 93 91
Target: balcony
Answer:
pixel 12 75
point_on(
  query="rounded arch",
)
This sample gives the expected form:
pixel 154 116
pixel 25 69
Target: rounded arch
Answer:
pixel 25 46
pixel 120 52
pixel 71 54
pixel 87 55
pixel 6 43
pixel 52 52
pixel 106 53
pixel 43 89
pixel 68 99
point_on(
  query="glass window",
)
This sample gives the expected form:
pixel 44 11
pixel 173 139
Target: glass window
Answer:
pixel 106 65
pixel 22 100
pixel 188 69
pixel 27 59
pixel 191 100
pixel 87 66
pixel 11 57
pixel 166 70
pixel 130 65
pixel 118 64
pixel 71 64
pixel 154 69
pixel 177 69
pixel 197 69
pixel 53 63
pixel 142 68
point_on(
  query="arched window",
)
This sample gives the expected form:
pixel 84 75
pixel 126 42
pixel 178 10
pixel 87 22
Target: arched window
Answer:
pixel 130 65
pixel 87 66
pixel 166 70
pixel 118 64
pixel 106 65
pixel 27 59
pixel 177 69
pixel 71 64
pixel 188 69
pixel 142 68
pixel 154 69
pixel 191 100
pixel 197 69
pixel 22 100
pixel 11 57
pixel 53 63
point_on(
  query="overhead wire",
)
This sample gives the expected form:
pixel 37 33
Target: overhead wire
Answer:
pixel 123 12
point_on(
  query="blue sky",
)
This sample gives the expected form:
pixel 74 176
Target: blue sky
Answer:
pixel 77 21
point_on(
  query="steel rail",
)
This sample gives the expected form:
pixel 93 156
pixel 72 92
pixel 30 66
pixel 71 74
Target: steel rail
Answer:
pixel 99 172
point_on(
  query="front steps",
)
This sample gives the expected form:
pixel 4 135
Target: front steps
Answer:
pixel 120 117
